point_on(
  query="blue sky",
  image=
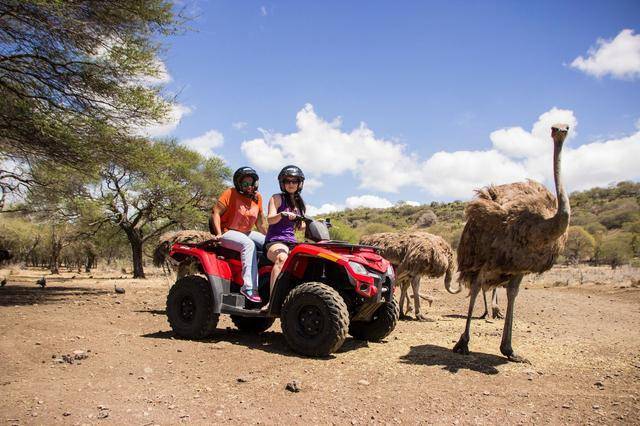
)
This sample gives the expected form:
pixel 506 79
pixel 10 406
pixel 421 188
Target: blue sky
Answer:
pixel 448 93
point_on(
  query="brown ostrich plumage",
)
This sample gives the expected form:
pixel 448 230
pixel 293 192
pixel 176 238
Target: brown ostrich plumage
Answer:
pixel 504 235
pixel 414 254
pixel 166 240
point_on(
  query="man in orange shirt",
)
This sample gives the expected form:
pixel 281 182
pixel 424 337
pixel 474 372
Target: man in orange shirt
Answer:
pixel 233 217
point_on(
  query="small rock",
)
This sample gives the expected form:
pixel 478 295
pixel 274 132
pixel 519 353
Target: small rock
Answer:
pixel 566 406
pixel 363 382
pixel 66 414
pixel 148 370
pixel 293 386
pixel 486 393
pixel 242 380
pixel 599 385
pixel 595 407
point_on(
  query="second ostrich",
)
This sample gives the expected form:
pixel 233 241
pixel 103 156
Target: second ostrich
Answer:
pixel 414 254
pixel 512 230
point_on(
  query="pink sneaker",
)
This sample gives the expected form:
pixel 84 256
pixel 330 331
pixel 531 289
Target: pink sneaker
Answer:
pixel 250 295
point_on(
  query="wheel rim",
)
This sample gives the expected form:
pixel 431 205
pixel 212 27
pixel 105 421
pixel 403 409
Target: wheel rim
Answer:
pixel 310 321
pixel 187 309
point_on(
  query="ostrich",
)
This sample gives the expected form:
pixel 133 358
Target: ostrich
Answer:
pixel 414 254
pixel 166 240
pixel 512 230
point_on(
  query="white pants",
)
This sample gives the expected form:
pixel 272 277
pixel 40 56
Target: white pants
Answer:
pixel 247 245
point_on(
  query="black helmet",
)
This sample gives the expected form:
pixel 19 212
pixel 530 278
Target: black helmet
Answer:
pixel 240 174
pixel 291 171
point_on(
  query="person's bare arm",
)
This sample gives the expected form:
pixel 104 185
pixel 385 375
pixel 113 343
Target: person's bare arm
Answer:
pixel 261 223
pixel 273 216
pixel 218 210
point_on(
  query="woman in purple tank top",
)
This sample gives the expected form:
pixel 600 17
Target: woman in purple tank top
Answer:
pixel 282 212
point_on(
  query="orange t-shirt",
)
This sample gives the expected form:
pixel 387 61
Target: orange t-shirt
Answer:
pixel 241 212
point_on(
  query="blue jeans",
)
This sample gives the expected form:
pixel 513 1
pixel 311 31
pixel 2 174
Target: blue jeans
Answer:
pixel 247 245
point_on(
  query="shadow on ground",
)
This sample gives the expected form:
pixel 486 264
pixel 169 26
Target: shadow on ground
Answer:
pixel 451 361
pixel 269 341
pixel 30 294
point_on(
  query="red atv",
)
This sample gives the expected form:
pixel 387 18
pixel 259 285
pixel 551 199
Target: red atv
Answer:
pixel 326 289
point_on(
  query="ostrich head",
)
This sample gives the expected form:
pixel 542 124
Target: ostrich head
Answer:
pixel 559 132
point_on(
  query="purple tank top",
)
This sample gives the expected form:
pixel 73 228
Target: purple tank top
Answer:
pixel 284 229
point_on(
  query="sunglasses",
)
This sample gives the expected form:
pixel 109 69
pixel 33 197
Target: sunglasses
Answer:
pixel 286 181
pixel 246 184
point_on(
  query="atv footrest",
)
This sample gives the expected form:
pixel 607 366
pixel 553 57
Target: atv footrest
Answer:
pixel 233 299
pixel 234 310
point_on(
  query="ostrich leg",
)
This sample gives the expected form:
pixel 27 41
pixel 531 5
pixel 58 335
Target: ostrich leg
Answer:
pixel 486 306
pixel 415 286
pixel 505 345
pixel 495 309
pixel 462 347
pixel 404 297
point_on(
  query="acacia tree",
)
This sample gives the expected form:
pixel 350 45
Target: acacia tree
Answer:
pixel 157 186
pixel 74 80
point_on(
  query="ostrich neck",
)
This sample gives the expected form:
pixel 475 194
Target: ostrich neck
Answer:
pixel 560 220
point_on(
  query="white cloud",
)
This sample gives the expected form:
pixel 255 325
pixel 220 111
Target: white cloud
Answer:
pixel 263 11
pixel 411 203
pixel 320 147
pixel 457 174
pixel 619 57
pixel 324 209
pixel 166 127
pixel 370 201
pixel 239 125
pixel 206 143
pixel 311 184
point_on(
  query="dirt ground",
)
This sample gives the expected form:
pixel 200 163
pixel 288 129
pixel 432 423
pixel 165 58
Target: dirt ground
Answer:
pixel 580 328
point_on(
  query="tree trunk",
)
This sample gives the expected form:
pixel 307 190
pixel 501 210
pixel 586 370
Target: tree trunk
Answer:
pixel 54 263
pixel 135 239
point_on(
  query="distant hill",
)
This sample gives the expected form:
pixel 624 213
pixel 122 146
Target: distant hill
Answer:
pixel 605 222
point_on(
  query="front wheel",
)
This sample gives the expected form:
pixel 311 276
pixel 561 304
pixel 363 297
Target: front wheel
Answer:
pixel 190 308
pixel 382 323
pixel 314 319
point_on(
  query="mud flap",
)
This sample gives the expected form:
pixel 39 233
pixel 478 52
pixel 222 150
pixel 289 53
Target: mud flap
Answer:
pixel 219 286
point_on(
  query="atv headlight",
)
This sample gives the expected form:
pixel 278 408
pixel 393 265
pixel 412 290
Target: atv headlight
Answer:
pixel 390 272
pixel 358 268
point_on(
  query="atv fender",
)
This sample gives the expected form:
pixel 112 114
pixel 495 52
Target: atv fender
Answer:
pixel 217 272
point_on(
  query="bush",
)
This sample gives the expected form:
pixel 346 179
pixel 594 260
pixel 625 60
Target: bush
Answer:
pixel 342 232
pixel 615 249
pixel 374 228
pixel 580 245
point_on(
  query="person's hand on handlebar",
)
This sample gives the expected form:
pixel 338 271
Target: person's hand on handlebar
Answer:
pixel 289 215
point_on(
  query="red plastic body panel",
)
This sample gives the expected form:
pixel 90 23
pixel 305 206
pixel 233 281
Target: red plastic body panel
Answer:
pixel 296 263
pixel 209 261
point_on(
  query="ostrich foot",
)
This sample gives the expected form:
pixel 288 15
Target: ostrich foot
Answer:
pixel 496 313
pixel 462 347
pixel 484 316
pixel 513 357
pixel 423 318
pixel 405 317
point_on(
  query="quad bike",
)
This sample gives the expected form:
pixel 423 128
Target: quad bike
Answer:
pixel 325 290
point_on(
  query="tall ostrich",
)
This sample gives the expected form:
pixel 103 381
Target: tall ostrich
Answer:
pixel 414 254
pixel 512 230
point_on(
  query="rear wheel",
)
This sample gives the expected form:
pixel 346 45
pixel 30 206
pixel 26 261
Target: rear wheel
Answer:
pixel 190 308
pixel 252 324
pixel 314 319
pixel 382 323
